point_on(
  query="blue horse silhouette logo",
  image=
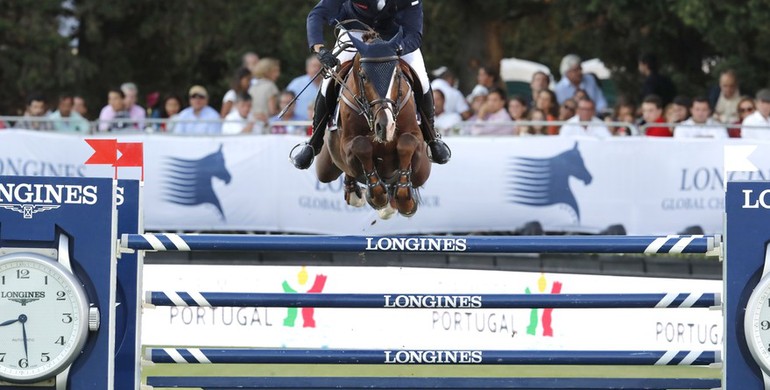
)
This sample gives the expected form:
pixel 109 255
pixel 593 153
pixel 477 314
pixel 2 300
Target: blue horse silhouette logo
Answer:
pixel 545 181
pixel 190 181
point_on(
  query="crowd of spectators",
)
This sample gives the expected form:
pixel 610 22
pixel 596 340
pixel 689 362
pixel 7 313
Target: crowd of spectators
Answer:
pixel 575 106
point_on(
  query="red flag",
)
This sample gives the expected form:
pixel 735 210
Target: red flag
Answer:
pixel 131 154
pixel 105 151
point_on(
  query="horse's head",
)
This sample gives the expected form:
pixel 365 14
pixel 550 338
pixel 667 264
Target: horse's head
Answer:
pixel 576 165
pixel 379 82
pixel 216 165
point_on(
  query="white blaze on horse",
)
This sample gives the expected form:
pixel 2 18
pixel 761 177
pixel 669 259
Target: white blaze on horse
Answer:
pixel 379 143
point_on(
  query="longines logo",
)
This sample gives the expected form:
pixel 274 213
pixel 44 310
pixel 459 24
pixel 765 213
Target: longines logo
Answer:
pixel 754 202
pixel 433 301
pixel 22 297
pixel 432 357
pixel 416 244
pixel 28 199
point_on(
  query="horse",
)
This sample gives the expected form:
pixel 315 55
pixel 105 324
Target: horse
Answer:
pixel 378 143
pixel 190 181
pixel 545 181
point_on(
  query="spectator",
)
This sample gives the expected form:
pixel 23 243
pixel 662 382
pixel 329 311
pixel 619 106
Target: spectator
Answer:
pixel 746 107
pixel 445 122
pixel 540 82
pixel 486 79
pixel 153 105
pixel 624 111
pixel 580 94
pixel 66 120
pixel 238 86
pixel 493 112
pixel 759 118
pixel 567 110
pixel 249 61
pixel 518 110
pixel 291 115
pixel 585 122
pixel 679 110
pixel 199 118
pixel 476 102
pixel 546 101
pixel 172 105
pixel 264 93
pixel 700 124
pixel 35 115
pixel 80 107
pixel 535 115
pixel 306 97
pixel 114 116
pixel 724 98
pixel 572 79
pixel 652 112
pixel 135 111
pixel 239 120
pixel 654 82
pixel 454 99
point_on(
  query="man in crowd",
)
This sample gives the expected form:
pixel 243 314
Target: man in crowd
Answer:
pixel 35 115
pixel 757 125
pixel 304 99
pixel 239 120
pixel 652 112
pixel 199 118
pixel 724 98
pixel 585 122
pixel 446 122
pixel 573 79
pixel 291 115
pixel 67 120
pixel 454 101
pixel 654 82
pixel 135 112
pixel 700 124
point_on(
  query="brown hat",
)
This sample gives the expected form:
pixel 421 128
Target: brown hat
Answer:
pixel 198 90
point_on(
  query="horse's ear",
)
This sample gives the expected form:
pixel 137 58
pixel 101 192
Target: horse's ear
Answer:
pixel 359 44
pixel 574 147
pixel 395 42
pixel 220 148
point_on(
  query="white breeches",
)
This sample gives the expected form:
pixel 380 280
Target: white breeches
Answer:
pixel 414 59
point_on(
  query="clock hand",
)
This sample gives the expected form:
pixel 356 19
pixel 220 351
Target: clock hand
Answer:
pixel 23 319
pixel 9 322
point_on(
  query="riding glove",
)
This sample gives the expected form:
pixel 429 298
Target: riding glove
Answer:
pixel 327 58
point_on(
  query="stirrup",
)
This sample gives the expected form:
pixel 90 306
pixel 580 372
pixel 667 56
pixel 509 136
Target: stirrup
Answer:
pixel 302 144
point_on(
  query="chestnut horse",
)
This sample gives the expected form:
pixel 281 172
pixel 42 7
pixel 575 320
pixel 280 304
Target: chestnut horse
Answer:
pixel 378 142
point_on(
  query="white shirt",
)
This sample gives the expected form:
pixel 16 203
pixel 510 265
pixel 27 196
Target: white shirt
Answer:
pixel 710 129
pixel 447 121
pixel 454 101
pixel 573 128
pixel 234 123
pixel 756 119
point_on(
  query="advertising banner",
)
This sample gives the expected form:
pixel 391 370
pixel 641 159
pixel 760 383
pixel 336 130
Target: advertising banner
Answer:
pixel 650 185
pixel 456 328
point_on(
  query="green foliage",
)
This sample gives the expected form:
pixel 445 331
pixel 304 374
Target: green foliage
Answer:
pixel 169 45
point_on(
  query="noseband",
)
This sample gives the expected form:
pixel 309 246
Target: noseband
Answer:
pixel 370 109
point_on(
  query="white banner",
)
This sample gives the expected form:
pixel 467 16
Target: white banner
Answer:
pixel 649 185
pixel 514 329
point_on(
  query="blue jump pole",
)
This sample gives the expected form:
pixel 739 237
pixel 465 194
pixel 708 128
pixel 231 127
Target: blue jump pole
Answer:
pixel 433 301
pixel 414 244
pixel 400 357
pixel 328 383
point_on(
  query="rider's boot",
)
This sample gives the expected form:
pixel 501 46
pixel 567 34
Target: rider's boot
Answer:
pixel 307 152
pixel 439 151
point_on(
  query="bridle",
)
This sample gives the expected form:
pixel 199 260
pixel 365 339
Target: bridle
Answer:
pixel 370 109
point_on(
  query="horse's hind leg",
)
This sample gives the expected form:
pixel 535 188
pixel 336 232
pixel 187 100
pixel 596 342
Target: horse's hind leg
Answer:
pixel 404 196
pixel 362 150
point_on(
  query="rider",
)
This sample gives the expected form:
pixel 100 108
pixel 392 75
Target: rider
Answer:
pixel 385 17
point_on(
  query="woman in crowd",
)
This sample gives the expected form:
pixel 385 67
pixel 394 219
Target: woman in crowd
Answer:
pixel 535 115
pixel 546 101
pixel 624 111
pixel 239 85
pixel 264 92
pixel 518 110
pixel 172 105
pixel 746 107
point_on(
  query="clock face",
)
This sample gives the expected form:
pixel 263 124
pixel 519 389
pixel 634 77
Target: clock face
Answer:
pixel 757 324
pixel 43 318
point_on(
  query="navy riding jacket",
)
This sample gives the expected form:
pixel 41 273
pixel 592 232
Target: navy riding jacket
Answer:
pixel 406 14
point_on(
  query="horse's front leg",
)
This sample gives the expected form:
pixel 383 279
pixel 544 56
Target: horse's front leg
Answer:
pixel 361 149
pixel 353 195
pixel 405 198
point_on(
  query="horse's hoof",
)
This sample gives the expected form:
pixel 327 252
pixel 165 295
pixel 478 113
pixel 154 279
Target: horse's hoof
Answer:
pixel 354 200
pixel 386 212
pixel 377 196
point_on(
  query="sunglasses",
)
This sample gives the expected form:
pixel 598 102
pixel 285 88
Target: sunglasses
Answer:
pixel 197 96
pixel 745 109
